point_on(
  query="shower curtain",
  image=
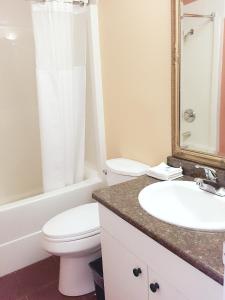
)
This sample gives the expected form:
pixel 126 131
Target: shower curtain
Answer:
pixel 60 31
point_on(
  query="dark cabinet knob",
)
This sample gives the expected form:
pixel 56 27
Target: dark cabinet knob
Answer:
pixel 154 287
pixel 137 272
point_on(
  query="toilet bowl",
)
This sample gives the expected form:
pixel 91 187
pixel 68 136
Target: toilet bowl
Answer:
pixel 74 235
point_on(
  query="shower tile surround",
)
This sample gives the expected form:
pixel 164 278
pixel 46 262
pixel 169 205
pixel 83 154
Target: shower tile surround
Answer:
pixel 36 282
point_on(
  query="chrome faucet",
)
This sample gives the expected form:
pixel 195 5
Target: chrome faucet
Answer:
pixel 210 184
pixel 210 173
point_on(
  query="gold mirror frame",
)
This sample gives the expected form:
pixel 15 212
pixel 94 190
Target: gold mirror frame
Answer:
pixel 177 151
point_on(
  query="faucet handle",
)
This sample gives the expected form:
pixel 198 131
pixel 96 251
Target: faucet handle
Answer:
pixel 210 173
pixel 199 181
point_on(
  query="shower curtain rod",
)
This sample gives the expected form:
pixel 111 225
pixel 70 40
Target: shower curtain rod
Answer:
pixel 79 2
pixel 212 16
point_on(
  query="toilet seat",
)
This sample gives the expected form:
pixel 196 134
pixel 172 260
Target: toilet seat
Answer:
pixel 73 238
pixel 77 248
pixel 74 224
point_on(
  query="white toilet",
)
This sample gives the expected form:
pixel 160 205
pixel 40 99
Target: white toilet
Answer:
pixel 74 235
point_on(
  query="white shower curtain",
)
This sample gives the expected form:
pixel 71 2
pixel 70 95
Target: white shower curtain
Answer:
pixel 60 44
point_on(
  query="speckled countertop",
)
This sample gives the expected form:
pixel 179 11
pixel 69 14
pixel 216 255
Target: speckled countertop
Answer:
pixel 203 250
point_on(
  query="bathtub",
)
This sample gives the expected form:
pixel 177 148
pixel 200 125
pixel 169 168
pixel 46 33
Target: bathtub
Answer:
pixel 21 221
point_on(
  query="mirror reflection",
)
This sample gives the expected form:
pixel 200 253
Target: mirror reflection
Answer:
pixel 202 76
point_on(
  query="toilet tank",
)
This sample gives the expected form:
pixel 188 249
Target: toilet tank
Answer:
pixel 122 169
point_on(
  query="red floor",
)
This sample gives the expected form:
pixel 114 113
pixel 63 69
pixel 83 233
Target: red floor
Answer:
pixel 36 282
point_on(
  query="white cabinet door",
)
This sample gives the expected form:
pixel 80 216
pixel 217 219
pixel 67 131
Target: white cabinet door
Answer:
pixel 160 289
pixel 125 276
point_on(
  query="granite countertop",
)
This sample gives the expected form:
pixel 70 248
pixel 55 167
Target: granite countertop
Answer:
pixel 203 250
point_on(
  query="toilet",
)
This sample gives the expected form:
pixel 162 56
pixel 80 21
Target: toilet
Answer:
pixel 74 235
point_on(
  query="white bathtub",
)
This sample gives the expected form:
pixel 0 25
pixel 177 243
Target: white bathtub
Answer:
pixel 21 222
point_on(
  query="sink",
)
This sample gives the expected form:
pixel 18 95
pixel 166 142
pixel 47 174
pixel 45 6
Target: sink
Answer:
pixel 184 204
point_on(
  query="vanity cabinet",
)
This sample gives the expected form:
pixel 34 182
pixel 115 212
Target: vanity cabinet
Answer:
pixel 125 275
pixel 128 277
pixel 138 268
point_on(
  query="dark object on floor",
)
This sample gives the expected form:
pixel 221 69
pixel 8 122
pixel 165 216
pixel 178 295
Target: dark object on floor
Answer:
pixel 97 270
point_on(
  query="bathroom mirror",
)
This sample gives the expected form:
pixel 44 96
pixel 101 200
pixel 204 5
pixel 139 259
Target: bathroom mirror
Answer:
pixel 199 80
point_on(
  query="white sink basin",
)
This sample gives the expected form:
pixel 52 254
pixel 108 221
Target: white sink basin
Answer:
pixel 184 204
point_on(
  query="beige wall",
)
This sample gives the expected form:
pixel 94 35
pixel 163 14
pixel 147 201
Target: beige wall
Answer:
pixel 135 45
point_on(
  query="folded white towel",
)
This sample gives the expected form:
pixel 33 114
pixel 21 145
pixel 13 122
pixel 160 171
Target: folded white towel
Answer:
pixel 165 172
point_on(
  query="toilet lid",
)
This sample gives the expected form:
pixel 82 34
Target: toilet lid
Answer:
pixel 76 222
pixel 124 166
